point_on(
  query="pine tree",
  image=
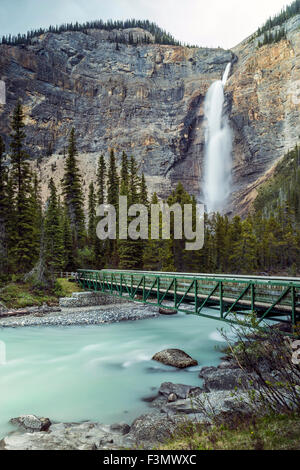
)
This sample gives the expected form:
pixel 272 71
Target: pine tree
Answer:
pixel 101 180
pixel 111 255
pixel 72 191
pixel 37 216
pixel 68 249
pixel 92 216
pixel 23 230
pixel 174 247
pixel 151 252
pixel 131 251
pixel 4 209
pixel 124 175
pixel 53 236
pixel 133 183
pixel 143 191
pixel 100 245
pixel 235 237
pixel 126 248
pixel 113 181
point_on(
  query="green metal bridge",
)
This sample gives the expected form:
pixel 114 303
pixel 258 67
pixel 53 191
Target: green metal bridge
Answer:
pixel 220 297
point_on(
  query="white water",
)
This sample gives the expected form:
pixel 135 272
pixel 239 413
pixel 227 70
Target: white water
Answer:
pixel 218 147
pixel 100 372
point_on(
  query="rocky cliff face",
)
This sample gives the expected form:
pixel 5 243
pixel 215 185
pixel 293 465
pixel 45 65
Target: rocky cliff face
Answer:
pixel 148 100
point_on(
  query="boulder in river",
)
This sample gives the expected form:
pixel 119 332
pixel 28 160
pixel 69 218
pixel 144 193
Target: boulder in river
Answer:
pixel 167 311
pixel 31 423
pixel 175 358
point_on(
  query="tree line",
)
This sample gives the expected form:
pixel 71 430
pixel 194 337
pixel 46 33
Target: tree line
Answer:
pixel 278 20
pixel 160 35
pixel 272 38
pixel 286 13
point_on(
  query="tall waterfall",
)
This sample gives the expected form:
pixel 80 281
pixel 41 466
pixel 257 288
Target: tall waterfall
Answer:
pixel 218 147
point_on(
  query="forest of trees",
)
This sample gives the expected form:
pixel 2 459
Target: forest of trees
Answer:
pixel 39 240
pixel 278 20
pixel 161 36
pixel 272 38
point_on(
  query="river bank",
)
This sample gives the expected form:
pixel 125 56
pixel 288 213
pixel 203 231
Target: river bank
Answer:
pixel 173 405
pixel 174 409
pixel 194 396
pixel 92 315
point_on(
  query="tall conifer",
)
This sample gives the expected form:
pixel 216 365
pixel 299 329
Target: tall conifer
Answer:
pixel 72 191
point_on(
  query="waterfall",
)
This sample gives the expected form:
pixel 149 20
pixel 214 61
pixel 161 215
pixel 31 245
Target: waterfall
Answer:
pixel 218 147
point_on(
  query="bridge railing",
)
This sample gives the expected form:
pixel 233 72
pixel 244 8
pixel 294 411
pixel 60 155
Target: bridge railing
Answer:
pixel 272 299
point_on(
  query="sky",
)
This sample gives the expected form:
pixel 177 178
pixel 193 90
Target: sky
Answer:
pixel 207 23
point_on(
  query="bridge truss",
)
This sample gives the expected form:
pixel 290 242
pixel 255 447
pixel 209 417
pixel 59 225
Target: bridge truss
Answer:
pixel 212 296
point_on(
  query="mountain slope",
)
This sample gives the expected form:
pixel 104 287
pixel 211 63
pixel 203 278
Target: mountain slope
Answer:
pixel 147 99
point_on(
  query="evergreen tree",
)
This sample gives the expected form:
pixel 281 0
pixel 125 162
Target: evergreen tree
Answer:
pixel 128 250
pixel 4 208
pixel 37 212
pixel 143 191
pixel 101 179
pixel 124 171
pixel 133 183
pixel 113 181
pixel 72 191
pixel 152 248
pixel 69 261
pixel 100 245
pixel 23 231
pixel 92 216
pixel 111 254
pixel 53 236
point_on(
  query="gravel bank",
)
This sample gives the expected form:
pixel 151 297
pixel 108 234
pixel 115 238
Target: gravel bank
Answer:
pixel 84 316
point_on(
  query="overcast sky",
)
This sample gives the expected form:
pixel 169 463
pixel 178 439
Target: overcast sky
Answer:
pixel 209 23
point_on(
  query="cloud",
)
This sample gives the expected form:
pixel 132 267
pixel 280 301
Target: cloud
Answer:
pixel 206 23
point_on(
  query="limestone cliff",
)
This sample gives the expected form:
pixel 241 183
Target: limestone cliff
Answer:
pixel 148 100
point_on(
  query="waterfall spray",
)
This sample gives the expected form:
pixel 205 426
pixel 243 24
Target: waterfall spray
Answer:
pixel 218 147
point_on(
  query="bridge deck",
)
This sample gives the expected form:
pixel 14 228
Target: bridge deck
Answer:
pixel 273 299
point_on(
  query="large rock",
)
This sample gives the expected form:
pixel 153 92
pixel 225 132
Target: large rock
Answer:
pixel 180 390
pixel 31 423
pixel 175 357
pixel 226 379
pixel 167 311
pixel 206 406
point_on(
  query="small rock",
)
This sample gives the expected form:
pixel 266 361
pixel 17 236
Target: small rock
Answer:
pixel 172 397
pixel 228 365
pixel 123 428
pixel 167 311
pixel 175 358
pixel 32 423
